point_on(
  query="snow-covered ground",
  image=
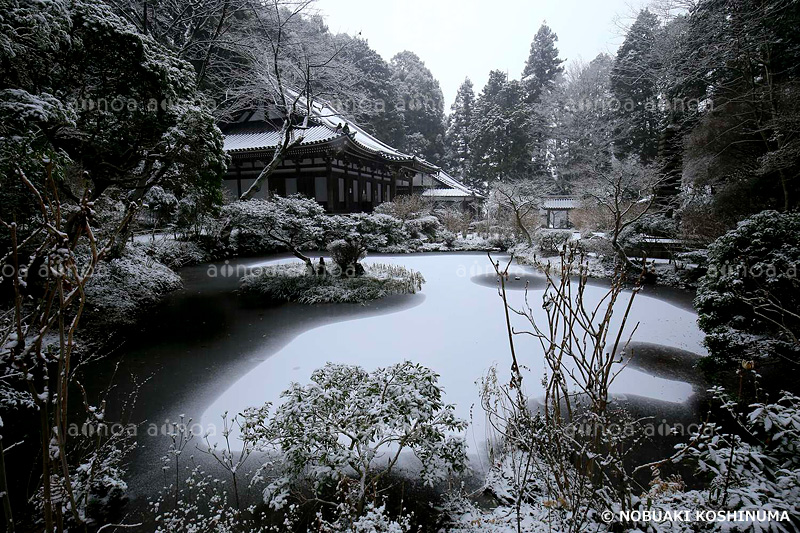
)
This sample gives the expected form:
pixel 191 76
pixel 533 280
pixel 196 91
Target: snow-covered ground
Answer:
pixel 459 331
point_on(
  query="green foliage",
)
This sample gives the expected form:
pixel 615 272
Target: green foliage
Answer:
pixel 748 299
pixel 348 427
pixel 459 130
pixel 543 65
pixel 501 141
pixel 421 104
pixel 77 71
pixel 634 86
pixel 551 241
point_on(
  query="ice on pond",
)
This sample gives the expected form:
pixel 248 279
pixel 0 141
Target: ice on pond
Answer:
pixel 459 331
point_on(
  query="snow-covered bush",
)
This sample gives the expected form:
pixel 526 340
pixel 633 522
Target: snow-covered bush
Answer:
pixel 448 238
pixel 502 242
pixel 345 431
pixel 551 241
pixel 375 519
pixel 756 473
pixel 123 288
pixel 386 227
pixel 427 226
pixel 172 253
pixel 347 256
pixel 201 505
pixel 747 302
pixel 406 207
pixel 599 246
pixel 197 213
pixel 353 235
pixel 650 224
pixel 696 257
pixel 454 220
pixel 295 223
pixel 291 283
pixel 162 205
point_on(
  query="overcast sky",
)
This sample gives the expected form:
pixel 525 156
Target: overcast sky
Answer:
pixel 459 38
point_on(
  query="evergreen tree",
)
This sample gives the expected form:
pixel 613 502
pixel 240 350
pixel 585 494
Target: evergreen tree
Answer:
pixel 373 99
pixel 500 137
pixel 742 59
pixel 634 84
pixel 421 103
pixel 540 78
pixel 460 123
pixel 543 65
pixel 583 122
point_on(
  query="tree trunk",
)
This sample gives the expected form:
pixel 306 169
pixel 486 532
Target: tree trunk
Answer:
pixel 277 158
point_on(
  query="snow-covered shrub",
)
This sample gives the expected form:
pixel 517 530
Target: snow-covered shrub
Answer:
pixel 696 257
pixel 201 506
pixel 653 225
pixel 448 238
pixel 375 519
pixel 174 254
pixel 345 431
pixel 347 256
pixel 197 214
pixel 757 473
pixel 353 235
pixel 291 283
pixel 385 227
pixel 245 242
pixel 551 241
pixel 748 299
pixel 427 226
pixel 502 242
pixel 599 246
pixel 295 223
pixel 454 220
pixel 161 204
pixel 123 288
pixel 406 207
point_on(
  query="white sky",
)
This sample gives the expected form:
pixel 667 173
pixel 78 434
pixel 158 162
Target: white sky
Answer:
pixel 459 38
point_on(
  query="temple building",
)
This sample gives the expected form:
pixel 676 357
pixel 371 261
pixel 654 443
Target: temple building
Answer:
pixel 337 163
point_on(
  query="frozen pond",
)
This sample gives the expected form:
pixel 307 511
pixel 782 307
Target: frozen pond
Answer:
pixel 456 327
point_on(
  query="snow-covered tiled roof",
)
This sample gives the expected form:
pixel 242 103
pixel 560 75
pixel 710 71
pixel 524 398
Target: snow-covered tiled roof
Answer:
pixel 332 119
pixel 446 193
pixel 264 138
pixel 326 125
pixel 450 183
pixel 560 202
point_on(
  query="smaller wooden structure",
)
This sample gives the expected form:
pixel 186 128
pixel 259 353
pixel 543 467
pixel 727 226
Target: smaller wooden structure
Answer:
pixel 555 211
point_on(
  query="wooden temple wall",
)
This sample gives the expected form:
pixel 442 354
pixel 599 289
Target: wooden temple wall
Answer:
pixel 340 186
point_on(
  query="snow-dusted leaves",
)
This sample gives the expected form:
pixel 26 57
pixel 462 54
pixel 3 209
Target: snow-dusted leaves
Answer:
pixel 348 427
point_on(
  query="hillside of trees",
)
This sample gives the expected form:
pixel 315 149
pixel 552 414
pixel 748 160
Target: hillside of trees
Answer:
pixel 705 96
